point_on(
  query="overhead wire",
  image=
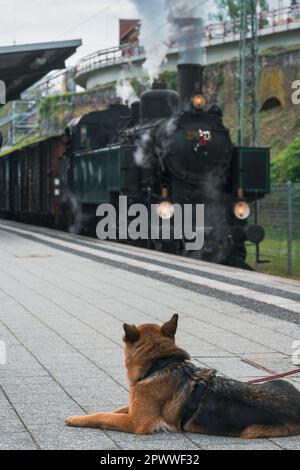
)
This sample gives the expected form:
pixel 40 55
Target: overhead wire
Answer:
pixel 90 18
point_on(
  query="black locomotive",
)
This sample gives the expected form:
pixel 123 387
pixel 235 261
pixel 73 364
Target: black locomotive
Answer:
pixel 166 149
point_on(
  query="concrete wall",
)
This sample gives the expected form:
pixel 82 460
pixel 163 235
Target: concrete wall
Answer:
pixel 278 71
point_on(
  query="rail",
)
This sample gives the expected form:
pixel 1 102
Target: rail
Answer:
pixel 20 118
pixel 215 33
pixel 49 85
pixel 108 57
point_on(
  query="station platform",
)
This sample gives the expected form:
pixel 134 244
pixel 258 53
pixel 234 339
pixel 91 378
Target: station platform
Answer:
pixel 63 300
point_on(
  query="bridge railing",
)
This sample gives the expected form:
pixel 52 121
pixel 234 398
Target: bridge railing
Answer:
pixel 269 22
pixel 215 33
pixel 109 57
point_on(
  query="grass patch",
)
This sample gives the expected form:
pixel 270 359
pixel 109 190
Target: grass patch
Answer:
pixel 275 249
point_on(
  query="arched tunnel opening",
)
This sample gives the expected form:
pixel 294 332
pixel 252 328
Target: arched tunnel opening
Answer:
pixel 271 103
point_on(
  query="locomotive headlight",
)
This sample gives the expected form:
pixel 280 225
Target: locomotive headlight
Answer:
pixel 242 210
pixel 199 101
pixel 165 210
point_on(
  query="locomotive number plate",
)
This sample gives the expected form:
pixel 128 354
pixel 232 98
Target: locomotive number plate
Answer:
pixel 192 135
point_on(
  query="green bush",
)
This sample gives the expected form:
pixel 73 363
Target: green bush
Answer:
pixel 170 77
pixel 286 166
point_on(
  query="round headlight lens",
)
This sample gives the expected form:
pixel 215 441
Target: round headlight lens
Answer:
pixel 199 101
pixel 165 210
pixel 242 210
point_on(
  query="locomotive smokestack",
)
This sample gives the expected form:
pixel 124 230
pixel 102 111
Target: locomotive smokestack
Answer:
pixel 190 82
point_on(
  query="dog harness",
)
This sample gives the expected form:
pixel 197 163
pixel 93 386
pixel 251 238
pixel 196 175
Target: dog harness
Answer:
pixel 163 363
pixel 192 403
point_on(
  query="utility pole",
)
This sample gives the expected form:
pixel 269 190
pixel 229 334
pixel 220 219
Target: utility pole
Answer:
pixel 280 6
pixel 249 72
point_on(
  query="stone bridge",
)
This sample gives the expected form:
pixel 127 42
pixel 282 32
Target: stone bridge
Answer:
pixel 279 29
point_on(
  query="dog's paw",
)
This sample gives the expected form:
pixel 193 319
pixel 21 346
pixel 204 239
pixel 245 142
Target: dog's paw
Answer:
pixel 253 432
pixel 74 421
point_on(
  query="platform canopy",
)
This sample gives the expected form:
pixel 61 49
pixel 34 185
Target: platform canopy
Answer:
pixel 22 66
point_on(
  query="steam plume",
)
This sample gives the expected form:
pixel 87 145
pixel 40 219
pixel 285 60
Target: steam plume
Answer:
pixel 143 152
pixel 188 29
pixel 166 21
pixel 125 91
pixel 155 33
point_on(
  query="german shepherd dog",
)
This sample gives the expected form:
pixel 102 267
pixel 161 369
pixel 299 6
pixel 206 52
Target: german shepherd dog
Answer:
pixel 169 393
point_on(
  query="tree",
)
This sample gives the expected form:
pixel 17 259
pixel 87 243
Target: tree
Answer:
pixel 232 8
pixel 286 165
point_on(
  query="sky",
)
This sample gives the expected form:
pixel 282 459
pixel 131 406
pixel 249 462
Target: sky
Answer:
pixel 93 21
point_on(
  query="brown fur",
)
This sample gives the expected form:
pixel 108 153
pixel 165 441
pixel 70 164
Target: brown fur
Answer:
pixel 156 403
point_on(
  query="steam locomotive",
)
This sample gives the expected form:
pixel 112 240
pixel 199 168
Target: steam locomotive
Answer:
pixel 166 149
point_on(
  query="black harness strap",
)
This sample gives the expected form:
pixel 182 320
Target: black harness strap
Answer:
pixel 163 363
pixel 201 385
pixel 192 404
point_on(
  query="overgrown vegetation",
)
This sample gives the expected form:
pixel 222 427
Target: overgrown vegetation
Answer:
pixel 286 166
pixel 170 77
pixel 50 104
pixel 31 140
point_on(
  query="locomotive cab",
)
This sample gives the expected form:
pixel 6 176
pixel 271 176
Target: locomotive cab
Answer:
pixel 97 129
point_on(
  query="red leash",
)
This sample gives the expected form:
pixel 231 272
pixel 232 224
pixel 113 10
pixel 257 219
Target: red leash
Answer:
pixel 275 376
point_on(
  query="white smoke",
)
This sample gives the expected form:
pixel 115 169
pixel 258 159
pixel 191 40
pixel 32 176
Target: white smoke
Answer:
pixel 142 153
pixel 166 21
pixel 161 147
pixel 154 34
pixel 188 29
pixel 125 91
pixel 171 126
pixel 75 210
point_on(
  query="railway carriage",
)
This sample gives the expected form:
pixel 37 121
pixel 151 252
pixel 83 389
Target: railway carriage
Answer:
pixel 29 182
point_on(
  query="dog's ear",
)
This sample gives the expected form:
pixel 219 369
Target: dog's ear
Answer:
pixel 131 333
pixel 170 328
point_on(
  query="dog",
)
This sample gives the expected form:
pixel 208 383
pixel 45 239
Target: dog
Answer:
pixel 169 393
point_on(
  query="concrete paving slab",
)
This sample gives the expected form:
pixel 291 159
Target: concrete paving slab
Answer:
pixel 61 319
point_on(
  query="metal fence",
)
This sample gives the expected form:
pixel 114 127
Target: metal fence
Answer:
pixel 279 213
pixel 270 22
pixel 19 119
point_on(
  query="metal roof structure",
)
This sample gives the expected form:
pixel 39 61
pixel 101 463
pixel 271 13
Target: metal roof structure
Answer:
pixel 23 65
